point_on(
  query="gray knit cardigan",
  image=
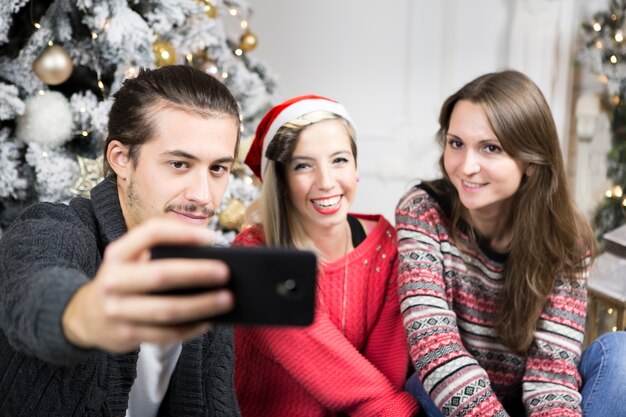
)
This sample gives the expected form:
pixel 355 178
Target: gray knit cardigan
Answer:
pixel 45 256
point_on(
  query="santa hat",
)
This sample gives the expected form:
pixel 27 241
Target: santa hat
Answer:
pixel 278 116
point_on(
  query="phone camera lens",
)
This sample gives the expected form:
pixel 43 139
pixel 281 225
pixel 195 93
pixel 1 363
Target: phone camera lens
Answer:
pixel 287 288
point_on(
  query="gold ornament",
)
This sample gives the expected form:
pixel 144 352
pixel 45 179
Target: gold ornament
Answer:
pixel 54 65
pixel 208 8
pixel 164 53
pixel 201 61
pixel 248 41
pixel 231 218
pixel 90 175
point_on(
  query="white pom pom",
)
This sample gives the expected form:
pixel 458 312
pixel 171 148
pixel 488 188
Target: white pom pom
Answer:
pixel 47 120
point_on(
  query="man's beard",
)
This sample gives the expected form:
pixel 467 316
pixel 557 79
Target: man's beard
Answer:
pixel 190 209
pixel 134 200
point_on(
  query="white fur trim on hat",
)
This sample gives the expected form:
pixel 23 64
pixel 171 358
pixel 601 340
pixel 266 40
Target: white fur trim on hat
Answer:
pixel 296 110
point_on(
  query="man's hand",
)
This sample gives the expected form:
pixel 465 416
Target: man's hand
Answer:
pixel 116 311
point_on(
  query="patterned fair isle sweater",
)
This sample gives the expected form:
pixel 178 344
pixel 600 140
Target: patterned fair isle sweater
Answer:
pixel 318 370
pixel 447 294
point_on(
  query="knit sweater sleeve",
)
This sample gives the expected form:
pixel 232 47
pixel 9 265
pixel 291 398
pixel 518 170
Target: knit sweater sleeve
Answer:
pixel 44 257
pixel 328 366
pixel 551 379
pixel 455 381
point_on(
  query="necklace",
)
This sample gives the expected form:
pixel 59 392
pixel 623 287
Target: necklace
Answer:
pixel 345 280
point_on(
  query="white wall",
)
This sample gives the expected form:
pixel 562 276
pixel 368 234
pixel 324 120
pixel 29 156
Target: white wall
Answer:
pixel 393 63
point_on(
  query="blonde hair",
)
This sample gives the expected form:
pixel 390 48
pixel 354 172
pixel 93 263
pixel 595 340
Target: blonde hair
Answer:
pixel 280 225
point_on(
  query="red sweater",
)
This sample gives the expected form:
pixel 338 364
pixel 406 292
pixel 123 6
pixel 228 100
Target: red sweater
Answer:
pixel 319 371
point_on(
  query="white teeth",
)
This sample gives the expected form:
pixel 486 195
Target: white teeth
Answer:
pixel 327 202
pixel 472 184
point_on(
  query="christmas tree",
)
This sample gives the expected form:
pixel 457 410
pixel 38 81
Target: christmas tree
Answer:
pixel 60 63
pixel 605 51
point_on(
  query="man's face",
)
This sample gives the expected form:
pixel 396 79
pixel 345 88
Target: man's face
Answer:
pixel 181 172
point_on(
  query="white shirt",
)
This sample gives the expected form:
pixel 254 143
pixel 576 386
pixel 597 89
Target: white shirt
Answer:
pixel 155 366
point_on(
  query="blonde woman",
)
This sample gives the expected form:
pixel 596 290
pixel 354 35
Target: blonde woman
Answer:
pixel 353 359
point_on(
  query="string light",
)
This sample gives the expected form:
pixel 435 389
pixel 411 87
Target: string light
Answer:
pixel 619 36
pixel 617 191
pixel 613 59
pixel 83 132
pixel 35 23
pixel 599 44
pixel 238 52
pixel 131 72
pixel 597 27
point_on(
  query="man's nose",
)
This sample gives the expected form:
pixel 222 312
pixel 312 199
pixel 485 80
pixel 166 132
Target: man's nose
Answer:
pixel 199 189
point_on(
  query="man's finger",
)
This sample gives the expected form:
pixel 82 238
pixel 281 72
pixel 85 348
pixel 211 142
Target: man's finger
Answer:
pixel 130 336
pixel 168 310
pixel 162 275
pixel 156 231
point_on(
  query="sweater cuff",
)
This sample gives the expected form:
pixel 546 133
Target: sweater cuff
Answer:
pixel 558 412
pixel 56 286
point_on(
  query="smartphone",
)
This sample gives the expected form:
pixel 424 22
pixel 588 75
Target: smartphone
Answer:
pixel 271 286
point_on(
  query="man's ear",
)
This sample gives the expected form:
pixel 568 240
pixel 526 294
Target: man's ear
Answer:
pixel 118 158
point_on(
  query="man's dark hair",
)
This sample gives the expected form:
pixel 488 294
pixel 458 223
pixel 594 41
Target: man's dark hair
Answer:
pixel 138 102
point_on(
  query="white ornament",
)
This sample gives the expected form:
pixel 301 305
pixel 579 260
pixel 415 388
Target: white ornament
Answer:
pixel 47 120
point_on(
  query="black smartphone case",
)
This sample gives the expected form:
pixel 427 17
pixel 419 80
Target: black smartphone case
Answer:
pixel 271 286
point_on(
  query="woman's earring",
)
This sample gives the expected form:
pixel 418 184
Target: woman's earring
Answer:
pixel 358 178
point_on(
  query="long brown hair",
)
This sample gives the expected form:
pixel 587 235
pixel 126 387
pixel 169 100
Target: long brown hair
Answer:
pixel 550 238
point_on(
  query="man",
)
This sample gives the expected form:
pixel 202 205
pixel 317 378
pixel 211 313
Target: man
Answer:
pixel 83 328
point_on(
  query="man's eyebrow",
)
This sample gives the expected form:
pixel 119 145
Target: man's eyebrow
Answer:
pixel 225 160
pixel 186 155
pixel 180 154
